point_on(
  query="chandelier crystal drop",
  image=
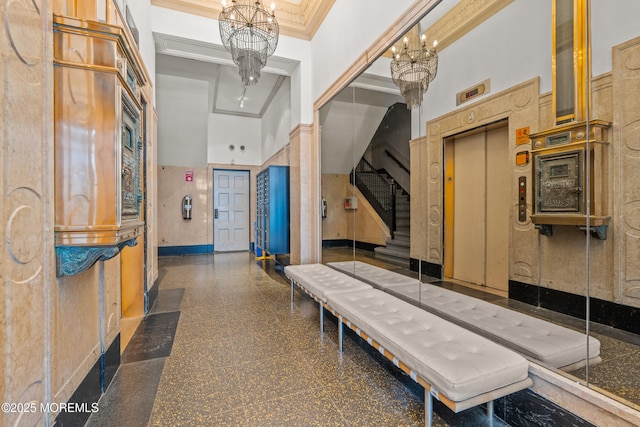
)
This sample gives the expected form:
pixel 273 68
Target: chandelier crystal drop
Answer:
pixel 250 33
pixel 413 69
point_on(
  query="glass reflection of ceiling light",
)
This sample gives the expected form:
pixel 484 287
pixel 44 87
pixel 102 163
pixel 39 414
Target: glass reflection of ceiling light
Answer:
pixel 413 69
pixel 250 33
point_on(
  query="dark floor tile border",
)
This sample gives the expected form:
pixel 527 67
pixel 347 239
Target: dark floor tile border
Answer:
pixel 185 250
pixel 168 301
pixel 607 313
pixel 85 399
pixel 153 338
pixel 130 397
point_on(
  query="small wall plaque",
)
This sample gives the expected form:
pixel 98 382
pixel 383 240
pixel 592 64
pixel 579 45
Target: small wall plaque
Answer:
pixel 473 92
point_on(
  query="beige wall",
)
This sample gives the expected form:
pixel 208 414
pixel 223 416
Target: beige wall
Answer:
pixel 625 259
pixel 334 189
pixel 27 260
pixel 173 230
pixel 362 224
pixel 77 344
pixel 50 327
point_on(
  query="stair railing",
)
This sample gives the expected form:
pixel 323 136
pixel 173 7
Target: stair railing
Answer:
pixel 380 193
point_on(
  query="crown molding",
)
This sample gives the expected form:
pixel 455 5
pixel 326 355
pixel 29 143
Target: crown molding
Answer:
pixel 462 18
pixel 295 20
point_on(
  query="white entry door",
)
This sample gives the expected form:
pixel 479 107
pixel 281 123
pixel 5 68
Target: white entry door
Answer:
pixel 230 210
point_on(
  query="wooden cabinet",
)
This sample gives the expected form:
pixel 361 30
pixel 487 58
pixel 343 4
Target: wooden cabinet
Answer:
pixel 98 115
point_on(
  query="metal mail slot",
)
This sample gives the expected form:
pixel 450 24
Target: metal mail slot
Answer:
pixel 559 182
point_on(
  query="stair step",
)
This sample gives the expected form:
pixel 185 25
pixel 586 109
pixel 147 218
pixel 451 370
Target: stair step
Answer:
pixel 403 222
pixel 392 252
pixel 399 240
pixel 397 246
pixel 395 257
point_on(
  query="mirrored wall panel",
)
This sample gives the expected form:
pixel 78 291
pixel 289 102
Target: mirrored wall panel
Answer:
pixel 499 182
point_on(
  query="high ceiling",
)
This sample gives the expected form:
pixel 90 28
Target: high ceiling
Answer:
pixel 212 63
pixel 209 62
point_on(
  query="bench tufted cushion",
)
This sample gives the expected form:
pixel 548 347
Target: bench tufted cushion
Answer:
pixel 539 339
pixel 457 362
pixel 546 342
pixel 375 276
pixel 321 280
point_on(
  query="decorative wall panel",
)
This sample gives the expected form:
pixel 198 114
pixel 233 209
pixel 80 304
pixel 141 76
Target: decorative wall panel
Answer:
pixel 25 174
pixel 626 106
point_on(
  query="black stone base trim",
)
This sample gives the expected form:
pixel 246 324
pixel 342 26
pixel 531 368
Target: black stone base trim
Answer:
pixel 111 362
pixel 428 268
pixel 84 401
pixel 527 408
pixel 342 243
pixel 152 295
pixel 337 243
pixel 608 313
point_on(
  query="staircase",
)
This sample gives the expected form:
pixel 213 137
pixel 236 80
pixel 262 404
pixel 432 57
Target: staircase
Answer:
pixel 397 247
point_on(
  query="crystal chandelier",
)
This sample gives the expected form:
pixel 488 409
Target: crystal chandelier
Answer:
pixel 413 69
pixel 250 33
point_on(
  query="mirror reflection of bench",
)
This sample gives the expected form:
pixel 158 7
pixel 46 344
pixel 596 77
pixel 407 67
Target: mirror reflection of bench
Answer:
pixel 458 367
pixel 545 342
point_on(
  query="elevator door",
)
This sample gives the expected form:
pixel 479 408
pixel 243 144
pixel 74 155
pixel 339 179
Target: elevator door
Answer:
pixel 477 222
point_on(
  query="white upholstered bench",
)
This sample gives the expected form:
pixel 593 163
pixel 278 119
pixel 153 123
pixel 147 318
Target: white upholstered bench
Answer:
pixel 457 367
pixel 543 341
pixel 318 281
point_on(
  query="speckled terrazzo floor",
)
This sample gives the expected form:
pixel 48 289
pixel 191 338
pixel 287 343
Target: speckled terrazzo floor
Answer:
pixel 242 357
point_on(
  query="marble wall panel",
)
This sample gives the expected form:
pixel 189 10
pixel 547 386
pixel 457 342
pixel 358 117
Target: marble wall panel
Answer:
pixel 521 107
pixel 172 186
pixel 626 159
pixel 305 184
pixel 334 226
pixel 295 199
pixel 26 257
pixel 77 330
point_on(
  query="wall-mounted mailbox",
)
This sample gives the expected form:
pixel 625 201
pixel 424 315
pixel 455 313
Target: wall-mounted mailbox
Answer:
pixel 98 142
pixel 560 177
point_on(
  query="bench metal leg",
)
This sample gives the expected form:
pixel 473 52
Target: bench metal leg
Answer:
pixel 321 317
pixel 490 412
pixel 340 332
pixel 292 292
pixel 428 409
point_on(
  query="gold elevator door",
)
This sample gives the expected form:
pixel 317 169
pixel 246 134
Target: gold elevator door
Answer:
pixel 477 177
